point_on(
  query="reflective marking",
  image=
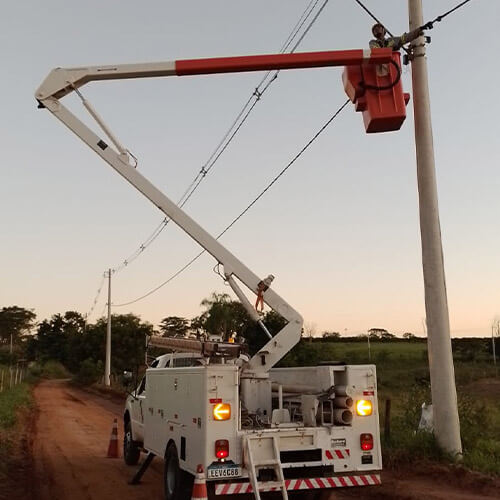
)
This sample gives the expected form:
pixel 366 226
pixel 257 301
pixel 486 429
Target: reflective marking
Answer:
pixel 301 484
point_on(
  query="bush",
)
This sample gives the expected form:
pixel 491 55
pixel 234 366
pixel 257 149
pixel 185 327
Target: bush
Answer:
pixel 89 372
pixel 485 456
pixel 53 369
pixel 35 370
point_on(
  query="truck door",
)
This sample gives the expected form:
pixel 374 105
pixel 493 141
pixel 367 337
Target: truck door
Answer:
pixel 138 406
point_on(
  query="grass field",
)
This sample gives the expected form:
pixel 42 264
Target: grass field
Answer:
pixel 13 402
pixel 403 377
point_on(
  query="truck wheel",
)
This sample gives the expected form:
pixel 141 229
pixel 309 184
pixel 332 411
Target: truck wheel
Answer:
pixel 131 452
pixel 176 482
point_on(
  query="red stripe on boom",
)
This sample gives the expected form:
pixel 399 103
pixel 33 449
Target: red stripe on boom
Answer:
pixel 280 61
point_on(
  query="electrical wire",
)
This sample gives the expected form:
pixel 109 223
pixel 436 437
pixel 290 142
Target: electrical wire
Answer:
pixel 372 15
pixel 248 207
pixel 236 125
pixel 447 13
pixel 233 129
pixel 379 22
pixel 96 298
pixel 427 25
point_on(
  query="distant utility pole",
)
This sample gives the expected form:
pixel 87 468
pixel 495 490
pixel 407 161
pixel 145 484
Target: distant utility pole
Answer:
pixel 444 393
pixel 493 343
pixel 369 348
pixel 107 368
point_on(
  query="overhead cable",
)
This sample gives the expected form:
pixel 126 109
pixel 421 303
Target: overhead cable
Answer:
pixel 96 298
pixel 438 19
pixel 243 212
pixel 427 25
pixel 234 128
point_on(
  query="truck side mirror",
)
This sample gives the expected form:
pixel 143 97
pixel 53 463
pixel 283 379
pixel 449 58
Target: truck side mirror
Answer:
pixel 127 379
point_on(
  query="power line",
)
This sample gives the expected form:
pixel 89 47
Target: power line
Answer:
pixel 233 129
pixel 96 298
pixel 248 207
pixel 373 16
pixel 436 20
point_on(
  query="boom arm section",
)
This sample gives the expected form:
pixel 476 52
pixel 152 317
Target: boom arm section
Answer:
pixel 61 82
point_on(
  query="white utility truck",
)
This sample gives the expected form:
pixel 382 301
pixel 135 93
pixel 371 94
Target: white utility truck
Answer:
pixel 252 427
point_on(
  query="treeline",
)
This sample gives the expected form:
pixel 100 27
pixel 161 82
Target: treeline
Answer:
pixel 80 346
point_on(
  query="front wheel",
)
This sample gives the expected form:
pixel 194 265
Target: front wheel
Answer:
pixel 131 452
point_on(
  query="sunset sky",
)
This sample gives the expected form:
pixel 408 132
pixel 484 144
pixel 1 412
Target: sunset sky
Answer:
pixel 339 230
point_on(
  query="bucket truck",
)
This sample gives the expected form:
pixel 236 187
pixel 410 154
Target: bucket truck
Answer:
pixel 253 428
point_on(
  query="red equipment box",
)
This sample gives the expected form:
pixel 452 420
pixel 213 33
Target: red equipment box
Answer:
pixel 377 91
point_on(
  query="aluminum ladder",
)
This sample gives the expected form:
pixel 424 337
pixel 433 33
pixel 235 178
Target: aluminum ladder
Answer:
pixel 262 452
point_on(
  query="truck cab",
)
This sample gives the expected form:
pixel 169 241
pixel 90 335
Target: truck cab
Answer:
pixel 133 415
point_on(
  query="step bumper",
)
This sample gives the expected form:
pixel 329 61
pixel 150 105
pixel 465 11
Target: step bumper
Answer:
pixel 233 488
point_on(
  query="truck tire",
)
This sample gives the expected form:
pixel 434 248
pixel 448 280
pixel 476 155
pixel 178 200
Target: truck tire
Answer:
pixel 177 483
pixel 131 452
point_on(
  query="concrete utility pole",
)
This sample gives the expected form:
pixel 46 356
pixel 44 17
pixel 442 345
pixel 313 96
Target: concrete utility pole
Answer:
pixel 444 394
pixel 493 344
pixel 107 368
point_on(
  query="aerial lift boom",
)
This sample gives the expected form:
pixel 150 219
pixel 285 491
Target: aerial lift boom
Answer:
pixel 62 81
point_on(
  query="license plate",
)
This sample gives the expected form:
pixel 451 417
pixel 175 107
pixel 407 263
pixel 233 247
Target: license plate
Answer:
pixel 338 443
pixel 223 471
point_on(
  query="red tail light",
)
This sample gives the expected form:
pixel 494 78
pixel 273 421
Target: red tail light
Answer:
pixel 366 441
pixel 221 448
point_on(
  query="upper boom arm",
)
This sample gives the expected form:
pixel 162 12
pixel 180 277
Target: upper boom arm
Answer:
pixel 61 81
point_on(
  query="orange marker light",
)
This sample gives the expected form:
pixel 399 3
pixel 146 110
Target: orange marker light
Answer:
pixel 364 408
pixel 222 411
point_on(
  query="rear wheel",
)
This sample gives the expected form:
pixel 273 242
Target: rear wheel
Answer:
pixel 131 452
pixel 177 483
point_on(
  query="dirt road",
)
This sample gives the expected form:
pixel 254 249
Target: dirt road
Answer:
pixel 70 446
pixel 72 434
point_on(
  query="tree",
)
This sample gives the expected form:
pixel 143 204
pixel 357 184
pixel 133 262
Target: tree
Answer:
pixel 409 336
pixel 309 330
pixel 174 326
pixel 67 339
pixel 15 321
pixel 52 339
pixel 223 316
pixel 128 335
pixel 196 326
pixel 253 335
pixel 380 334
pixel 331 335
pixel 227 317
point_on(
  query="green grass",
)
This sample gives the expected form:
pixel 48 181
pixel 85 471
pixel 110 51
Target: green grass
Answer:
pixel 403 377
pixel 12 400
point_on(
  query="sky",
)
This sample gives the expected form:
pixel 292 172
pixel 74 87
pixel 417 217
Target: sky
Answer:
pixel 339 230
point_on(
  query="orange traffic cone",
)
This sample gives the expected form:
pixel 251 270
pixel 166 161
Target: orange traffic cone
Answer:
pixel 113 441
pixel 200 485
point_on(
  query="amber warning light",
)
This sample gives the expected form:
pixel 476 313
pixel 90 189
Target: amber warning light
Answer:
pixel 222 411
pixel 364 407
